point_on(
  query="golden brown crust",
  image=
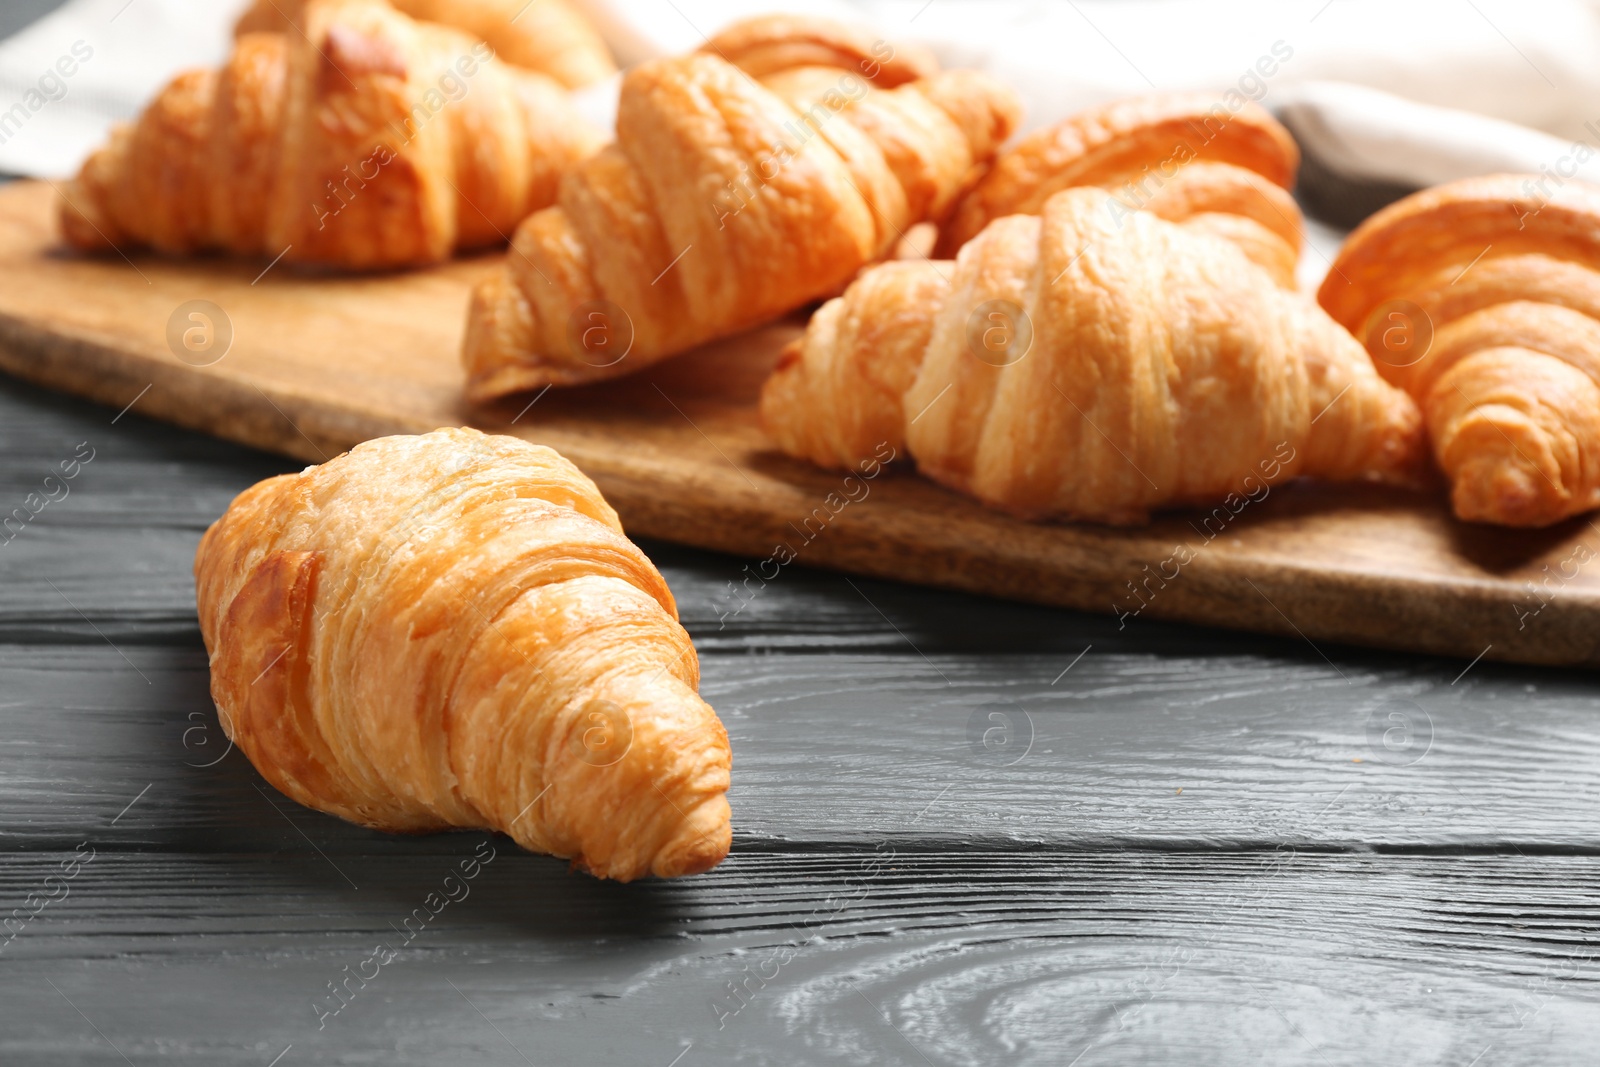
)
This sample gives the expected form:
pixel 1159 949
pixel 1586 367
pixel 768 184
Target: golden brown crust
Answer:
pixel 1482 299
pixel 548 36
pixel 765 45
pixel 856 360
pixel 450 630
pixel 1139 365
pixel 339 144
pixel 1183 150
pixel 724 203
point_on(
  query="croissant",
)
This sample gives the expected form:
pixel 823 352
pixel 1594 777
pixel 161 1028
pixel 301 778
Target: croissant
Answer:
pixel 370 141
pixel 1069 366
pixel 1182 156
pixel 1481 298
pixel 727 201
pixel 451 630
pixel 548 36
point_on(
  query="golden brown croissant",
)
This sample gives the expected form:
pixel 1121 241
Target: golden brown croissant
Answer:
pixel 451 630
pixel 1182 156
pixel 1481 298
pixel 772 44
pixel 371 141
pixel 548 36
pixel 726 202
pixel 1075 367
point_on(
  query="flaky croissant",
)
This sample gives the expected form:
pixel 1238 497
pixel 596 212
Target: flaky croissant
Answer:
pixel 369 141
pixel 1069 366
pixel 1482 299
pixel 548 36
pixel 727 201
pixel 1182 156
pixel 451 630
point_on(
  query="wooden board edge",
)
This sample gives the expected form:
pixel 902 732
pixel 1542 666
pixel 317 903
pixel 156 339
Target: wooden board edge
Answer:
pixel 1289 600
pixel 1296 601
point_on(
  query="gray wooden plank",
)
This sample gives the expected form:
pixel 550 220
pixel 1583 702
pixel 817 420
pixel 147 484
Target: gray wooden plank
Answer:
pixel 112 546
pixel 1127 750
pixel 876 956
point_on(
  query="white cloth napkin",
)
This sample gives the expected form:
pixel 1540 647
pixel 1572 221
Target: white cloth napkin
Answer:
pixel 119 52
pixel 1408 92
pixel 1367 133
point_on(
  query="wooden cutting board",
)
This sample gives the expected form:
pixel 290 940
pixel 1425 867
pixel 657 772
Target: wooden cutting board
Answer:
pixel 317 364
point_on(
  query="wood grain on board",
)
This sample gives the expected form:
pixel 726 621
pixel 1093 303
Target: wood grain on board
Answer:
pixel 318 364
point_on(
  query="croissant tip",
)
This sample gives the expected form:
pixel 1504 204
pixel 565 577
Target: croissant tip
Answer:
pixel 1507 494
pixel 700 858
pixel 701 843
pixel 695 851
pixel 77 219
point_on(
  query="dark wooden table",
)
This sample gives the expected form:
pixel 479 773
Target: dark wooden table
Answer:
pixel 1178 846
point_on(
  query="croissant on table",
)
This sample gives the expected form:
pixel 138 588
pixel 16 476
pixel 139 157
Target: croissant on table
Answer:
pixel 1481 298
pixel 1070 366
pixel 549 36
pixel 369 141
pixel 451 630
pixel 729 198
pixel 1184 157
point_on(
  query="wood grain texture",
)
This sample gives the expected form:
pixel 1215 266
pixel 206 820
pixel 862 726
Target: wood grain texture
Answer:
pixel 889 957
pixel 318 364
pixel 1126 750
